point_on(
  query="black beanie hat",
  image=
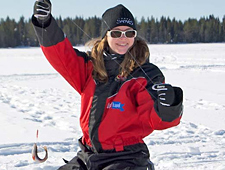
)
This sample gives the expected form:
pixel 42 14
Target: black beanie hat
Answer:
pixel 116 16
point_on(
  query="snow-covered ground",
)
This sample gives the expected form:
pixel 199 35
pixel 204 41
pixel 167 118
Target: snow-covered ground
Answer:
pixel 33 96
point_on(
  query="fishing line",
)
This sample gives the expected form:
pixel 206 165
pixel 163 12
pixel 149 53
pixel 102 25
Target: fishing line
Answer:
pixel 89 37
pixel 138 66
pixel 119 64
pixel 42 32
pixel 37 136
pixel 134 59
pixel 139 82
pixel 81 29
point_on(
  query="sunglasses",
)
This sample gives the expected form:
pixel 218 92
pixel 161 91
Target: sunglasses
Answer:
pixel 127 34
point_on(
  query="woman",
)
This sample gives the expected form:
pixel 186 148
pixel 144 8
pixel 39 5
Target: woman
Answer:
pixel 123 96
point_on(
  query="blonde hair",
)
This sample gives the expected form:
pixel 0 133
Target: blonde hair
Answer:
pixel 135 57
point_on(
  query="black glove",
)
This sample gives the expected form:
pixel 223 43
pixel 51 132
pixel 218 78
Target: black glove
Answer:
pixel 42 10
pixel 166 94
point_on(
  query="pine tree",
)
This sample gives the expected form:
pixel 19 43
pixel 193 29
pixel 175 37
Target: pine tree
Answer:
pixel 223 29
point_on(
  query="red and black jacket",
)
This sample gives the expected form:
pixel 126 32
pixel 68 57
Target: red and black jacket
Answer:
pixel 115 114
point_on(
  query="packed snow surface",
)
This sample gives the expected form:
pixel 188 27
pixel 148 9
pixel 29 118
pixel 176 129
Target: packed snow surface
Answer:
pixel 34 96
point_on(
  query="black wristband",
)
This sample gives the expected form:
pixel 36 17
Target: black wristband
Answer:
pixel 42 23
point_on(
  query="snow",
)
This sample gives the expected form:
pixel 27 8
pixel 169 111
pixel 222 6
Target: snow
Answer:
pixel 34 96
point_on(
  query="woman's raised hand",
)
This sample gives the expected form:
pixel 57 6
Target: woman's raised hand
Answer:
pixel 42 10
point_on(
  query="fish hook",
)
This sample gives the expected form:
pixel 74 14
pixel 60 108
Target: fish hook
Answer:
pixel 35 156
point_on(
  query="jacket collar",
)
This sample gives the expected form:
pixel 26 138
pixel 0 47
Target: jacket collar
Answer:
pixel 108 56
pixel 112 63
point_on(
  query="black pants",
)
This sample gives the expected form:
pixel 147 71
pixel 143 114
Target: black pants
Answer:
pixel 135 157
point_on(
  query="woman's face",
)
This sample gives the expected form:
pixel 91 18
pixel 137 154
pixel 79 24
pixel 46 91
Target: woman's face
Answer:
pixel 122 44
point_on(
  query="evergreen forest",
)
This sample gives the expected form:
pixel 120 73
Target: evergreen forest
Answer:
pixel 155 31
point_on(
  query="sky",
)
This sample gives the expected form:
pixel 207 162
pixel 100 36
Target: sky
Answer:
pixel 179 9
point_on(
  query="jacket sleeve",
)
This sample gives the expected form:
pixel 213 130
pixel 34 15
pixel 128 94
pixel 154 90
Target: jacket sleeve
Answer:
pixel 72 64
pixel 160 117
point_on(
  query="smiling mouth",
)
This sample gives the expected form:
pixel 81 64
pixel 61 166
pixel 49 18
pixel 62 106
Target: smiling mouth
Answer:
pixel 123 45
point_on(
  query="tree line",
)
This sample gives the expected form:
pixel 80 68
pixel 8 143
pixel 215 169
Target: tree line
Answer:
pixel 79 30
